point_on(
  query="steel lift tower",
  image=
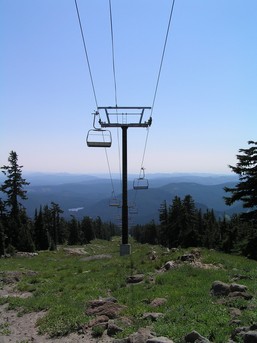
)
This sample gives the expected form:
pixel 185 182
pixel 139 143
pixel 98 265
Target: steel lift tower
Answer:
pixel 124 118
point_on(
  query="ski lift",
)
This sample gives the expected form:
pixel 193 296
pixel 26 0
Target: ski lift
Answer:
pixel 97 137
pixel 141 182
pixel 114 202
pixel 133 209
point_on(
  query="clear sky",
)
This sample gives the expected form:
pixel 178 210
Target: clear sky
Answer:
pixel 206 104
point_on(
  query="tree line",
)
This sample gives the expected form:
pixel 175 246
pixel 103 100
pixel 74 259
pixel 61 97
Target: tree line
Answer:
pixel 181 223
pixel 48 228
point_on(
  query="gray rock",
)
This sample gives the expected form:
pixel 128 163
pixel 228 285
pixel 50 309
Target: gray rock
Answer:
pixel 158 302
pixel 234 287
pixel 104 308
pixel 113 329
pixel 135 278
pixel 141 336
pixel 159 340
pixel 194 337
pixel 220 288
pixel 187 257
pixel 250 337
pixel 169 265
pixel 243 295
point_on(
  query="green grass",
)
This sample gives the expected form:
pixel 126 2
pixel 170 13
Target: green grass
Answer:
pixel 63 284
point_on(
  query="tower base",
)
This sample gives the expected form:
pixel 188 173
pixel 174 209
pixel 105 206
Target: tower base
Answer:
pixel 125 249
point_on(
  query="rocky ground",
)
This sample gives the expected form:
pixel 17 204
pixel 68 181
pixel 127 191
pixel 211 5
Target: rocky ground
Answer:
pixel 23 329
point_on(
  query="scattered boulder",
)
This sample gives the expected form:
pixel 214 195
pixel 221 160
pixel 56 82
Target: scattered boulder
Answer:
pixel 159 340
pixel 243 295
pixel 104 307
pixel 220 288
pixel 187 257
pixel 98 320
pixel 137 278
pixel 169 265
pixel 234 287
pixel 10 277
pixel 158 302
pixel 248 332
pixel 234 290
pixel 235 312
pixel 250 337
pixel 194 336
pixel 113 329
pixel 141 336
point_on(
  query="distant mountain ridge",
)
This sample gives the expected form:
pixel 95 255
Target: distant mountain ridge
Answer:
pixel 91 195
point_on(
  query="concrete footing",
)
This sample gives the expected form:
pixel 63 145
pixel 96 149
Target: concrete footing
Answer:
pixel 125 249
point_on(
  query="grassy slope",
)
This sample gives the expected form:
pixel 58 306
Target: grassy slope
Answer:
pixel 65 283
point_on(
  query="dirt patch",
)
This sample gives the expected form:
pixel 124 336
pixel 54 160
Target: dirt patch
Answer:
pixel 15 329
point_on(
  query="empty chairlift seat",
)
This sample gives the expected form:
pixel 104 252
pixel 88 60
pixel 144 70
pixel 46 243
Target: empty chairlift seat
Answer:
pixel 98 138
pixel 140 183
pixel 133 209
pixel 114 202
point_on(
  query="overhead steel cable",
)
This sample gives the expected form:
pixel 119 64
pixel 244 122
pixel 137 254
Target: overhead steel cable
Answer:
pixel 115 83
pixel 85 49
pixel 162 58
pixel 113 57
pixel 157 82
pixel 92 83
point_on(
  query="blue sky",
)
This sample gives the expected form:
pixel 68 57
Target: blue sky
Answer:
pixel 206 104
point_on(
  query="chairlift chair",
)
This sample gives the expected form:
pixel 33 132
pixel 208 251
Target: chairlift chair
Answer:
pixel 141 182
pixel 133 209
pixel 114 202
pixel 97 137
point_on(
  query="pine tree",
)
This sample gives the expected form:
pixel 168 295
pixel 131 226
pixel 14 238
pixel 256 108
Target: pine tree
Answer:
pixel 41 234
pixel 246 189
pixel 13 186
pixel 74 232
pixel 175 223
pixel 13 189
pixel 87 232
pixel 189 235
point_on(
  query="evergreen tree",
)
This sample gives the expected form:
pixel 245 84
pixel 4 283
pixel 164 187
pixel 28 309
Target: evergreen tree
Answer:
pixel 189 235
pixel 87 231
pixel 55 211
pixel 246 189
pixel 175 223
pixel 2 240
pixel 74 232
pixel 211 236
pixel 13 189
pixel 163 233
pixel 41 236
pixel 13 186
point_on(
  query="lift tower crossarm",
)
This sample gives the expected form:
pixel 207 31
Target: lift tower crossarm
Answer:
pixel 117 116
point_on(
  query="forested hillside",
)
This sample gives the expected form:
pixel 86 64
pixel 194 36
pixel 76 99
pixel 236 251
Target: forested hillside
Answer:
pixel 174 214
